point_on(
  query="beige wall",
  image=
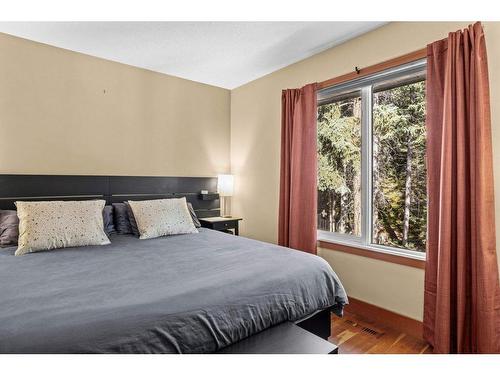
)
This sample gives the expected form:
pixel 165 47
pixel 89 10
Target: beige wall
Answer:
pixel 255 148
pixel 69 113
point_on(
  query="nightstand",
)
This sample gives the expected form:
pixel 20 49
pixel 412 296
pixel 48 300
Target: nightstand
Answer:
pixel 222 224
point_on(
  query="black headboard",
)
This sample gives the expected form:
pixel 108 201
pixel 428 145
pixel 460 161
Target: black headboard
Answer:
pixel 111 188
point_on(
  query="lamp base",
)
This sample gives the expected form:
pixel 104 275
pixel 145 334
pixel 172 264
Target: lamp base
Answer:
pixel 224 211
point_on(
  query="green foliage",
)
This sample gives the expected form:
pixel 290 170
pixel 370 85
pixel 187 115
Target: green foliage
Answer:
pixel 399 169
pixel 339 164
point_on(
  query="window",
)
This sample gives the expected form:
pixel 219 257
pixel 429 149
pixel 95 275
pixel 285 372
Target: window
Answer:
pixel 371 162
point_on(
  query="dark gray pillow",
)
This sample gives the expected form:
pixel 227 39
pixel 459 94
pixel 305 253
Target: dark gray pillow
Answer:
pixel 9 228
pixel 122 223
pixel 196 222
pixel 131 218
pixel 107 216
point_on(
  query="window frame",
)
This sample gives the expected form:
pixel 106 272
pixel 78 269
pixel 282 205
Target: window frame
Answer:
pixel 364 85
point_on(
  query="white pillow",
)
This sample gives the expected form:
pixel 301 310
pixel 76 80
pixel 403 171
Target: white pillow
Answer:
pixel 162 217
pixel 56 224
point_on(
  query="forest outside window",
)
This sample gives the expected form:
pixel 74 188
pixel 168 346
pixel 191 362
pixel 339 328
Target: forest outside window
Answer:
pixel 371 162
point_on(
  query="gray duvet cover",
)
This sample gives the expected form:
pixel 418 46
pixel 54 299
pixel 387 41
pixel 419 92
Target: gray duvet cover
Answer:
pixel 192 293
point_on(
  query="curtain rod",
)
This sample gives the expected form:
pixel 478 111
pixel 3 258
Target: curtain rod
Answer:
pixel 409 57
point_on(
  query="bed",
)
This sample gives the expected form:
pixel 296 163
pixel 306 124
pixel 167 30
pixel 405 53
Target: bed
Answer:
pixel 192 293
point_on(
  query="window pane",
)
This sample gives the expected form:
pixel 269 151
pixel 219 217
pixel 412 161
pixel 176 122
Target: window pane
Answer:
pixel 339 165
pixel 399 170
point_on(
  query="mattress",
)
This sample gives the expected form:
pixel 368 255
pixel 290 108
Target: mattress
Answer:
pixel 193 293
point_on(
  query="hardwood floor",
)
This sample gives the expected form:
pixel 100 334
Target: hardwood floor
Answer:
pixel 354 334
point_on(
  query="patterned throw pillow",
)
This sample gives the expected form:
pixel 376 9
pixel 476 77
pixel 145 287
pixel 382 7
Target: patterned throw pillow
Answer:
pixel 56 224
pixel 162 217
pixel 133 222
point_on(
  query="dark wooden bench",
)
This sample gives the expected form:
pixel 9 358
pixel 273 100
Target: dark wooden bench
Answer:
pixel 285 338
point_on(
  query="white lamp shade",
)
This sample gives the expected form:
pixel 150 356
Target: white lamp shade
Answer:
pixel 225 185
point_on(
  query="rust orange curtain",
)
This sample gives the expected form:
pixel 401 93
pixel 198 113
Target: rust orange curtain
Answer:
pixel 462 293
pixel 298 175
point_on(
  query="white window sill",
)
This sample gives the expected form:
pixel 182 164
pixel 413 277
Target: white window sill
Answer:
pixel 354 242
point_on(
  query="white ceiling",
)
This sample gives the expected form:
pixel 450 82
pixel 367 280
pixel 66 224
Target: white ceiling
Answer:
pixel 224 54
